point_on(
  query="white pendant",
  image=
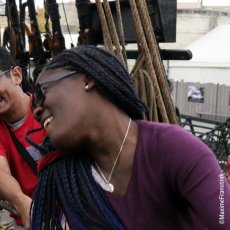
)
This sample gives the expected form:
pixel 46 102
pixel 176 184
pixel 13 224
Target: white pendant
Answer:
pixel 111 187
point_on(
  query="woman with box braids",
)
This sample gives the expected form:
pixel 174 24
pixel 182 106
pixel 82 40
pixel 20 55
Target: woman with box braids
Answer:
pixel 112 169
pixel 67 185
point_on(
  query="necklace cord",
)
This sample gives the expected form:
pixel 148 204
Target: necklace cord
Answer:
pixel 118 155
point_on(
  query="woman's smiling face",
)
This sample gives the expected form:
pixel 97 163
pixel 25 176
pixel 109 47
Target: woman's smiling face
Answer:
pixel 63 108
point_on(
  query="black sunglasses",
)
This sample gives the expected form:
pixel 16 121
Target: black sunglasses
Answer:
pixel 4 73
pixel 39 92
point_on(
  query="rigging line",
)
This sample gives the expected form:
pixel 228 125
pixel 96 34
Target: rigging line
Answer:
pixel 67 24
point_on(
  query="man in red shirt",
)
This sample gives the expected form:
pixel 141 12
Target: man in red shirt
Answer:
pixel 17 180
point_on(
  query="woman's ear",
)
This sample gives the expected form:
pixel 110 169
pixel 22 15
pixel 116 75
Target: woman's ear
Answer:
pixel 88 83
pixel 16 74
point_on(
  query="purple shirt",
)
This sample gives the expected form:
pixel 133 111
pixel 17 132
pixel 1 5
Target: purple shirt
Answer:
pixel 176 183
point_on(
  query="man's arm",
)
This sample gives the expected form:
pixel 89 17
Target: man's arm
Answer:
pixel 10 190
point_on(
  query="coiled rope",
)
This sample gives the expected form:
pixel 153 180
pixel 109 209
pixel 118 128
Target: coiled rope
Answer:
pixel 148 73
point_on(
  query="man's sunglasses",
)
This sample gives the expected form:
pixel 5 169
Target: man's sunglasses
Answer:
pixel 39 92
pixel 4 73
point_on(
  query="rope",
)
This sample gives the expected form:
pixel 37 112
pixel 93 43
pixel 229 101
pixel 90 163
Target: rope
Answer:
pixel 113 30
pixel 121 31
pixel 151 99
pixel 158 65
pixel 105 29
pixel 148 74
pixel 143 84
pixel 139 62
pixel 141 40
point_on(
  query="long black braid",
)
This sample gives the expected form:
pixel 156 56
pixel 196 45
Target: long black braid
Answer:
pixel 67 185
